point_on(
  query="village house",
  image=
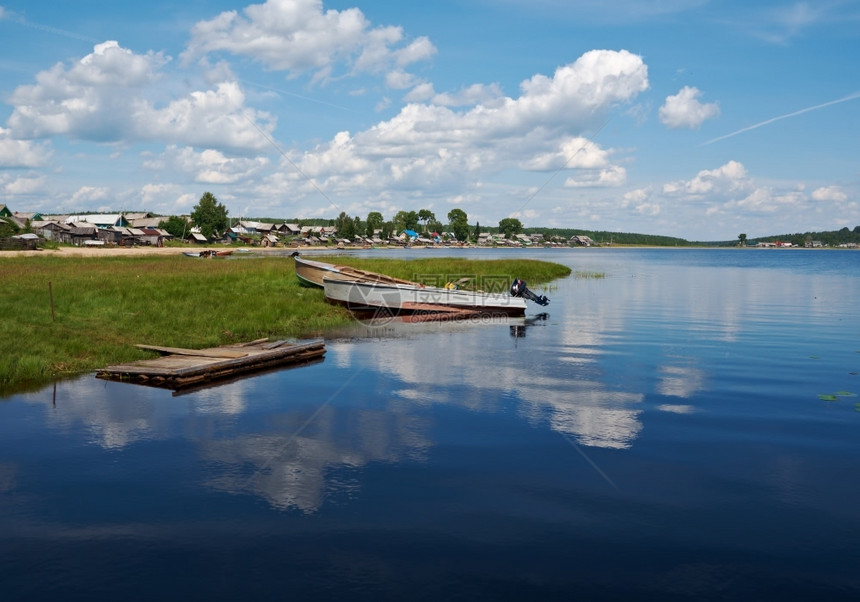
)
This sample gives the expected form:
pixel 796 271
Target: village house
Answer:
pixel 50 230
pixel 580 240
pixel 286 229
pixel 81 232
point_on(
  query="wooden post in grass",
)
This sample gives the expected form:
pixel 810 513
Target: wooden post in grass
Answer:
pixel 51 295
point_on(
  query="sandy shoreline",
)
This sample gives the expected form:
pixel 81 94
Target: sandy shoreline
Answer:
pixel 136 251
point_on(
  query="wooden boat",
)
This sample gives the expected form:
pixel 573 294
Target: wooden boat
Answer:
pixel 397 298
pixel 208 253
pixel 311 273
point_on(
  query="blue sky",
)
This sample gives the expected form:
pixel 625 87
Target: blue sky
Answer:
pixel 691 118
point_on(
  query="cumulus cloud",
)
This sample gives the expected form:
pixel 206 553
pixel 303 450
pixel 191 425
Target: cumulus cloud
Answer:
pixel 298 36
pixel 725 180
pixel 25 185
pixel 598 79
pixel 487 95
pixel 207 118
pixel 683 110
pixel 435 146
pixel 728 194
pixel 830 193
pixel 641 201
pixel 614 175
pixel 86 194
pixel 213 167
pixel 90 99
pixel 767 200
pixel 104 98
pixel 576 152
pixel 21 153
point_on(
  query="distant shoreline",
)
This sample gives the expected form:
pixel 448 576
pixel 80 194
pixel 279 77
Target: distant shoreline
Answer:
pixel 115 251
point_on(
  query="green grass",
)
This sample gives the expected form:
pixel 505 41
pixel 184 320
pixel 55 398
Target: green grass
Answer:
pixel 103 306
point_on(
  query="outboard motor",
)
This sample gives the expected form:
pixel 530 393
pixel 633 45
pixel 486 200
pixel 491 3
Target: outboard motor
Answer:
pixel 519 289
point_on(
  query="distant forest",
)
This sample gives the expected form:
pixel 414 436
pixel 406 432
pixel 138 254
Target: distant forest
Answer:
pixel 833 238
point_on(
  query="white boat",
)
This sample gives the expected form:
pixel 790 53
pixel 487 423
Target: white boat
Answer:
pixel 311 273
pixel 397 299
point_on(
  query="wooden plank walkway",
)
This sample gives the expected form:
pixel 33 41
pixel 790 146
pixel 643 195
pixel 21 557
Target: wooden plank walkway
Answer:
pixel 181 368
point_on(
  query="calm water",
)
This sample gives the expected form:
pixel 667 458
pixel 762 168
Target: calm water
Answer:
pixel 658 434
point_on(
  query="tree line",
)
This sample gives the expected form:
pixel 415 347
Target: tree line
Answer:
pixel 212 219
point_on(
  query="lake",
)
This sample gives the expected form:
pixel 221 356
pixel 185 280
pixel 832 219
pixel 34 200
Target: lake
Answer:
pixel 685 426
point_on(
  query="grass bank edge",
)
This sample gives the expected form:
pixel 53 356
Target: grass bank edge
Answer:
pixel 66 316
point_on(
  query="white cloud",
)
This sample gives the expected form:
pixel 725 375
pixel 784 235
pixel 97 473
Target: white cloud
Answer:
pixel 635 197
pixel 683 110
pixel 213 167
pixel 781 24
pixel 830 193
pixel 103 98
pixel 420 93
pixel 298 36
pixel 614 175
pixel 576 152
pixel 87 194
pixel 400 80
pixel 91 99
pixel 476 94
pixel 767 200
pixel 650 209
pixel 211 118
pixel 725 180
pixel 21 153
pixel 25 185
pixel 429 146
pixel 595 81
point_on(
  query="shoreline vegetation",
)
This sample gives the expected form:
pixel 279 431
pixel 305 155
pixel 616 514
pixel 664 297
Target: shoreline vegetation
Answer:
pixel 69 313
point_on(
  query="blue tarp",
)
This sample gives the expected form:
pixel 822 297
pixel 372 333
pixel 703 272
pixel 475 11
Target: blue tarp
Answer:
pixel 411 233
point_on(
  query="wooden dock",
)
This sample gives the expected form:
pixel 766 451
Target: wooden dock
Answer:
pixel 180 368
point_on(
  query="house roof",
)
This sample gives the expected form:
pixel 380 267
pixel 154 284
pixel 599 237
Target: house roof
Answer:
pixel 103 220
pixel 145 222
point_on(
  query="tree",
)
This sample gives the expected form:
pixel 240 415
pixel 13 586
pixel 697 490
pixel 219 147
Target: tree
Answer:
pixel 510 226
pixel 356 226
pixel 210 216
pixel 345 226
pixel 425 215
pixel 742 240
pixel 374 222
pixel 176 225
pixel 459 224
pixel 435 226
pixel 406 220
pixel 7 229
pixel 477 230
pixel 387 230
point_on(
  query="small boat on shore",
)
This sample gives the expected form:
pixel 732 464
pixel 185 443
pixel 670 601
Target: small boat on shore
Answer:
pixel 311 273
pixel 397 299
pixel 208 253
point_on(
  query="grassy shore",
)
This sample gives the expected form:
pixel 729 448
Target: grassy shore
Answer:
pixel 64 316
